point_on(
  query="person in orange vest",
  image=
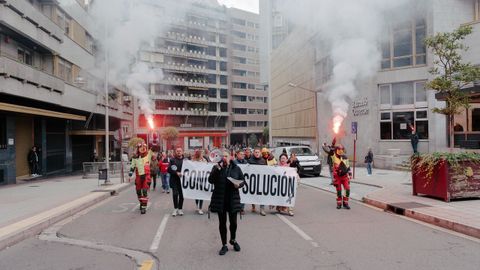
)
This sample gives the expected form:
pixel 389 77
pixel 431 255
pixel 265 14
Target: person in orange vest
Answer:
pixel 341 176
pixel 141 166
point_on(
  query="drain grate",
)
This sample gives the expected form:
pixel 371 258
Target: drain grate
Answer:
pixel 399 208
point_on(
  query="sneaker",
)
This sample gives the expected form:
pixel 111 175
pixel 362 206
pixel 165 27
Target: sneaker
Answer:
pixel 168 191
pixel 180 212
pixel 200 212
pixel 33 175
pixel 339 206
pixel 143 211
pixel 262 212
pixel 346 206
pixel 223 250
pixel 175 213
pixel 163 191
pixel 235 245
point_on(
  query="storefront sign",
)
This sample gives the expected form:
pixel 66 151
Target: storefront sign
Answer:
pixel 360 107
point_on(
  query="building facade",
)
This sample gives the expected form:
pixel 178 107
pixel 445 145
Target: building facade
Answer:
pixel 48 95
pixel 210 90
pixel 395 98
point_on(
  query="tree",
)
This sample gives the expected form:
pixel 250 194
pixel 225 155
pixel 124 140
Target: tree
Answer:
pixel 252 140
pixel 169 134
pixel 451 73
pixel 266 134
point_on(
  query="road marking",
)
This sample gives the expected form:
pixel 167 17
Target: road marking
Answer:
pixel 295 228
pixel 146 265
pixel 158 236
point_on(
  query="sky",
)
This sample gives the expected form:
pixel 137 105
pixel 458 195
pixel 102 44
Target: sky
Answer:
pixel 249 5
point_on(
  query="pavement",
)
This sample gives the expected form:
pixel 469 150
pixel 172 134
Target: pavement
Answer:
pixel 31 206
pixel 391 191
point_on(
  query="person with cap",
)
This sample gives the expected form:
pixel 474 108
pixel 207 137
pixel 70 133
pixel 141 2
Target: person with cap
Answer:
pixel 141 166
pixel 341 176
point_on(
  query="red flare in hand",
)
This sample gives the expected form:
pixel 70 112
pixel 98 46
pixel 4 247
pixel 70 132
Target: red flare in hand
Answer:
pixel 150 122
pixel 337 122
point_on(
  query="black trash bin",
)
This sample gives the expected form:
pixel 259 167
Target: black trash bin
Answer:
pixel 102 174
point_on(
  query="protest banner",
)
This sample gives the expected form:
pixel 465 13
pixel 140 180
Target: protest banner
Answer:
pixel 267 185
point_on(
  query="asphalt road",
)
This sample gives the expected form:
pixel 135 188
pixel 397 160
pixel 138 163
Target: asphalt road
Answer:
pixel 114 234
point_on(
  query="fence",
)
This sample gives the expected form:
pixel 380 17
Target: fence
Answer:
pixel 91 169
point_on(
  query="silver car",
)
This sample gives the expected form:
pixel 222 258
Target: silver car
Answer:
pixel 309 161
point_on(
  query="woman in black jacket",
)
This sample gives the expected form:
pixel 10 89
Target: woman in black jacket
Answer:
pixel 226 199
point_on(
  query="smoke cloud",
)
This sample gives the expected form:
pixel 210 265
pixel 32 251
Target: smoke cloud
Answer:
pixel 350 32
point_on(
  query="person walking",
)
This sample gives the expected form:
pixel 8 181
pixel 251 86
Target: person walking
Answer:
pixel 141 167
pixel 257 159
pixel 198 157
pixel 226 199
pixel 369 161
pixel 284 162
pixel 33 161
pixel 414 139
pixel 240 159
pixel 154 170
pixel 164 162
pixel 175 170
pixel 248 153
pixel 330 152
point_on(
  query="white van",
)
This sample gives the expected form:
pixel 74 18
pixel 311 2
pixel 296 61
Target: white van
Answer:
pixel 309 161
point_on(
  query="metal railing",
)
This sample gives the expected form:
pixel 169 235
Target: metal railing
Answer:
pixel 91 169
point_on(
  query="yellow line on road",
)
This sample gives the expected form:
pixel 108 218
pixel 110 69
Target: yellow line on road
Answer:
pixel 146 265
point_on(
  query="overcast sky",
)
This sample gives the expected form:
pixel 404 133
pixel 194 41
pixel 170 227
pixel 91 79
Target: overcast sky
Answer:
pixel 249 5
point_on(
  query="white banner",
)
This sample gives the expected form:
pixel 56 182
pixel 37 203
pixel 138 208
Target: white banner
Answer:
pixel 265 185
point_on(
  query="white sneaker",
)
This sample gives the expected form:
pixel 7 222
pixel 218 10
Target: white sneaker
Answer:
pixel 180 212
pixel 33 175
pixel 174 213
pixel 200 212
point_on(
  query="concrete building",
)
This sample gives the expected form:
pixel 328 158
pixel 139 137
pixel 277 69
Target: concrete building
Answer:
pixel 390 102
pixel 210 91
pixel 48 97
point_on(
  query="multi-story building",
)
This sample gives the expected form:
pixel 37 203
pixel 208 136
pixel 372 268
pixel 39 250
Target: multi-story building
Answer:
pixel 210 86
pixel 388 104
pixel 249 98
pixel 48 96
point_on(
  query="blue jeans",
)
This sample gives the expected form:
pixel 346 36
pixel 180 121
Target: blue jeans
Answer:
pixel 369 168
pixel 165 181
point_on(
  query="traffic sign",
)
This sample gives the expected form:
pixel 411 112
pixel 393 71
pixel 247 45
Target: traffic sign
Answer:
pixel 354 127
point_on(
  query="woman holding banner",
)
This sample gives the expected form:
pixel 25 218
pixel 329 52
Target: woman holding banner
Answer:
pixel 227 178
pixel 197 156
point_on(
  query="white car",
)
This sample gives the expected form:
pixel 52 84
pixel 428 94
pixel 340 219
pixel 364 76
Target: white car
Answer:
pixel 309 161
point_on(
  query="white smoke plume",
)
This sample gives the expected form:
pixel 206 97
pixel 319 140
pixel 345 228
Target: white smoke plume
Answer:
pixel 351 31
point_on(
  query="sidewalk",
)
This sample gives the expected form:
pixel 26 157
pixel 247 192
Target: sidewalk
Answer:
pixel 29 207
pixel 392 191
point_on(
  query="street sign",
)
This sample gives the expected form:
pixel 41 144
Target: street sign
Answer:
pixel 354 127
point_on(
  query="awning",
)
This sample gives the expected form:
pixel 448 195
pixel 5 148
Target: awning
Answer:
pixel 42 112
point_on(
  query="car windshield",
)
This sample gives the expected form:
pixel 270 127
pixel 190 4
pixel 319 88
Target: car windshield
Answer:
pixel 301 151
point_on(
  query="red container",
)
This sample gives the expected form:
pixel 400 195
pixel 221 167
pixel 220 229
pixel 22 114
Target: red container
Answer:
pixel 447 183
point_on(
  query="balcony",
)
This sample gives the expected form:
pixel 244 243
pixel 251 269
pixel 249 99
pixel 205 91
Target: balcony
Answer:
pixel 188 68
pixel 198 55
pixel 183 111
pixel 198 84
pixel 30 75
pixel 182 97
pixel 23 17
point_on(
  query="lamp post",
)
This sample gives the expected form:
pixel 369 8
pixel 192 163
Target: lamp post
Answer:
pixel 107 127
pixel 316 111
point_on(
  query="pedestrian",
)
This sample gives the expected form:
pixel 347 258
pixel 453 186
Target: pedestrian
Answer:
pixel 369 161
pixel 269 158
pixel 293 161
pixel 33 161
pixel 175 170
pixel 226 199
pixel 284 162
pixel 240 159
pixel 248 153
pixel 154 170
pixel 414 139
pixel 198 157
pixel 141 166
pixel 330 151
pixel 164 162
pixel 257 159
pixel 341 175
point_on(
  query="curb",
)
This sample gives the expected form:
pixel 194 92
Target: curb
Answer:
pixel 440 222
pixel 21 230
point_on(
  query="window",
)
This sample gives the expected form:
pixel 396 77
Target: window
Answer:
pixel 212 65
pixel 239 123
pixel 223 52
pixel 64 70
pixel 239 111
pixel 476 120
pixel 476 10
pixel 3 132
pixel 223 93
pixel 239 98
pixel 212 92
pixel 402 93
pixel 212 107
pixel 223 66
pixel 239 47
pixel 223 80
pixel 224 107
pixel 420 92
pixel 238 21
pixel 24 56
pixel 239 72
pixel 211 78
pixel 404 46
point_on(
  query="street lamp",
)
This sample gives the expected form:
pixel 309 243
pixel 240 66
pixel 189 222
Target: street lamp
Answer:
pixel 316 110
pixel 107 128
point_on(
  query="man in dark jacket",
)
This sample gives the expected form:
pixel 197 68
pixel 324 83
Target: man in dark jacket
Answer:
pixel 257 159
pixel 330 151
pixel 226 199
pixel 175 171
pixel 33 161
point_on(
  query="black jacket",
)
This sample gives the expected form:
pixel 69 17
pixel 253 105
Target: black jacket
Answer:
pixel 32 157
pixel 225 196
pixel 243 161
pixel 257 161
pixel 295 164
pixel 174 167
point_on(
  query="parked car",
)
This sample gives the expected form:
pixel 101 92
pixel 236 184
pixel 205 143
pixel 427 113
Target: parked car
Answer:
pixel 309 161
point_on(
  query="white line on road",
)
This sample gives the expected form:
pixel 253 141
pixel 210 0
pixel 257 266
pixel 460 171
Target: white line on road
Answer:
pixel 296 228
pixel 158 236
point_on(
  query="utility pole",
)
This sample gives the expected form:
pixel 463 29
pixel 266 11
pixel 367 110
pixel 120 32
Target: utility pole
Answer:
pixel 107 128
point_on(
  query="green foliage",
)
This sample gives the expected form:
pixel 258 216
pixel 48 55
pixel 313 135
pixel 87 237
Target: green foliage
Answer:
pixel 252 140
pixel 429 162
pixel 169 133
pixel 266 134
pixel 134 141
